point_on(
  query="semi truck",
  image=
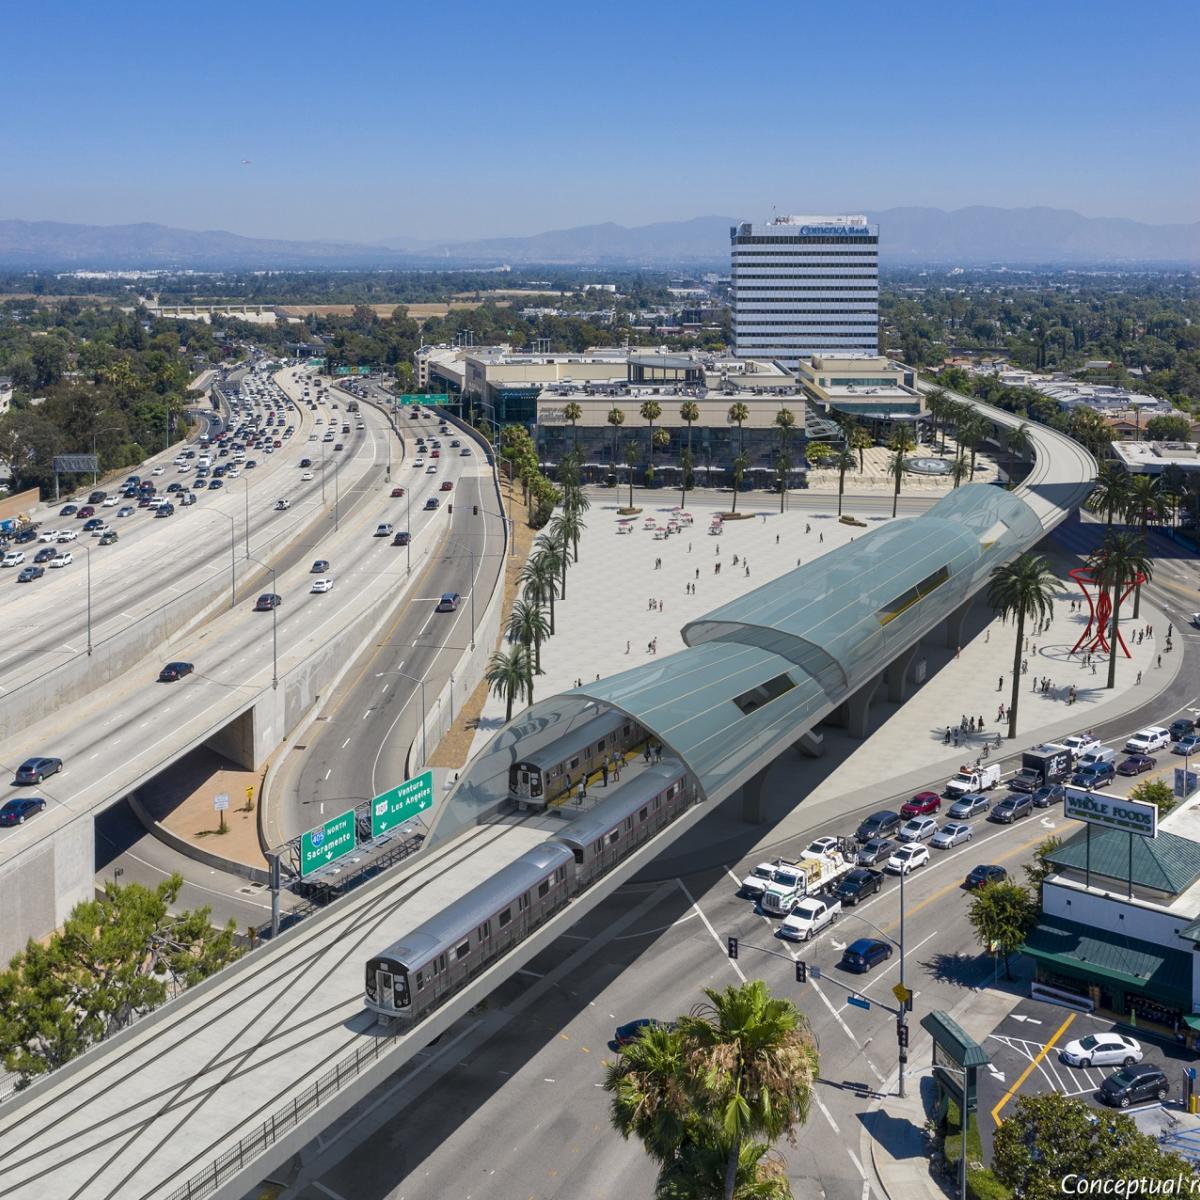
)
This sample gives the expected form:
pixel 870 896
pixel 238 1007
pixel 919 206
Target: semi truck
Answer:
pixel 805 876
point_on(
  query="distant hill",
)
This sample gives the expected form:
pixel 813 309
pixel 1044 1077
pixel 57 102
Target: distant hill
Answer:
pixel 908 236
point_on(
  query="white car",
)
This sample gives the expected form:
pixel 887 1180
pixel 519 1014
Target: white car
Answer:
pixel 13 558
pixel 99 530
pixel 48 535
pixel 282 505
pixel 1080 743
pixel 1146 741
pixel 321 585
pixel 110 502
pixel 418 462
pixel 67 535
pixel 821 844
pixel 1102 1050
pixel 951 834
pixel 431 469
pixel 306 476
pixel 159 471
pixel 908 858
pixel 184 468
pixel 61 559
pixel 919 829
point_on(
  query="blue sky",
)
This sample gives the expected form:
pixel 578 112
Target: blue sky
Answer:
pixel 371 120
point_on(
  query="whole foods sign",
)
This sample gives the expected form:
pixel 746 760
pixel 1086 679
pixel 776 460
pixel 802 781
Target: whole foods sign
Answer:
pixel 1112 812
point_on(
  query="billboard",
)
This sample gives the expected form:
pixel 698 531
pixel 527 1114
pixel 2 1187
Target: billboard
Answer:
pixel 1111 812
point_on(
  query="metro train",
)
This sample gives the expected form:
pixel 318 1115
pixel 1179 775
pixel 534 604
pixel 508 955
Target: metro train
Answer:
pixel 553 770
pixel 438 958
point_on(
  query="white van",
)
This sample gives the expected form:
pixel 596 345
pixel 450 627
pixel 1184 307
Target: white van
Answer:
pixel 204 461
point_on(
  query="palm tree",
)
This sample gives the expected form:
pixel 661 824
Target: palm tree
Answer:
pixel 755 1065
pixel 1143 505
pixel 901 444
pixel 1021 589
pixel 971 431
pixel 858 439
pixel 843 461
pixel 785 422
pixel 616 418
pixel 689 411
pixel 632 458
pixel 739 414
pixel 959 470
pixel 510 675
pixel 697 1172
pixel 660 438
pixel 573 410
pixel 937 403
pixel 539 577
pixel 648 1081
pixel 1016 442
pixel 527 624
pixel 1110 495
pixel 650 411
pixel 559 533
pixel 740 462
pixel 1115 565
pixel 783 466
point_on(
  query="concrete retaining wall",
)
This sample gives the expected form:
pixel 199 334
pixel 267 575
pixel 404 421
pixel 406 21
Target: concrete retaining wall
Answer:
pixel 22 502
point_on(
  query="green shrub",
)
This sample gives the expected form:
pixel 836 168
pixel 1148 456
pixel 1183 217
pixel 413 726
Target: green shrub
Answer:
pixel 983 1185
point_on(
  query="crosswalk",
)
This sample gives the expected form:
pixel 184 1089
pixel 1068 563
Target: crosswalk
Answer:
pixel 1067 1081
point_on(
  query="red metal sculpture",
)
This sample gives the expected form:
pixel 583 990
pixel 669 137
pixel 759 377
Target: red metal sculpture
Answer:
pixel 1100 611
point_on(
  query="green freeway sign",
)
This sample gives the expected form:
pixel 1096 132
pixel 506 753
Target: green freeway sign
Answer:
pixel 327 843
pixel 419 398
pixel 352 370
pixel 401 803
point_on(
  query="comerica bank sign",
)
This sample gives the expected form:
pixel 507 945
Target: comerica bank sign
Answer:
pixel 1113 812
pixel 835 230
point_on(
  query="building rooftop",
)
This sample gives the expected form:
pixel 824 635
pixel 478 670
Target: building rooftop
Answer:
pixel 1154 456
pixel 1169 863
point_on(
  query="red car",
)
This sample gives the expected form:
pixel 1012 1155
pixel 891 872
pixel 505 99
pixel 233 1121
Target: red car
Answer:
pixel 922 805
pixel 397 491
pixel 447 486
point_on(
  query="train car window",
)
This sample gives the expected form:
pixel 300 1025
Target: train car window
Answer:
pixel 523 902
pixel 628 823
pixel 574 762
pixel 560 875
pixel 657 803
pixel 513 776
pixel 578 856
pixel 614 837
pixel 463 950
pixel 484 931
pixel 599 846
pixel 625 730
pixel 543 888
pixel 642 814
pixel 441 962
pixel 420 980
pixel 505 917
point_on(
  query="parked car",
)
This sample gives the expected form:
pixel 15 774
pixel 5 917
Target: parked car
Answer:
pixel 921 805
pixel 1011 808
pixel 34 770
pixel 860 956
pixel 1135 764
pixel 907 859
pixel 1048 794
pixel 1102 1050
pixel 878 824
pixel 19 810
pixel 175 670
pixel 984 874
pixel 968 806
pixel 1135 1085
pixel 951 834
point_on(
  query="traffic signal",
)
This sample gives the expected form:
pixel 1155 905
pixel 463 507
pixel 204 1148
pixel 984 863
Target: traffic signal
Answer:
pixel 902 1036
pixel 733 947
pixel 801 972
pixel 449 508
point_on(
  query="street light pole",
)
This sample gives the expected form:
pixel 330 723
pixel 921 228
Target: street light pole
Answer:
pixel 337 494
pixel 901 1027
pixel 246 481
pixel 408 518
pixel 88 551
pixel 471 590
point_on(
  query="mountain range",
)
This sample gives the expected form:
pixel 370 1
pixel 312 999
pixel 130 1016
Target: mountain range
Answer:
pixel 908 237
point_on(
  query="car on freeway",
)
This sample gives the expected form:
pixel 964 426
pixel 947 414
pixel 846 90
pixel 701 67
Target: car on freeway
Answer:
pixel 338 446
pixel 984 874
pixel 860 956
pixel 68 510
pixel 320 567
pixel 85 512
pixel 1101 1050
pixel 397 492
pixel 951 834
pixel 34 770
pixel 267 601
pixel 402 538
pixel 968 806
pixel 822 845
pixel 62 559
pixel 321 585
pixel 919 829
pixel 431 504
pixel 94 523
pixel 1094 775
pixel 25 535
pixel 907 858
pixel 18 811
pixel 108 537
pixel 29 574
pixel 127 510
pixel 1181 727
pixel 455 444
pixel 1048 794
pixel 448 602
pixel 921 805
pixel 878 824
pixel 13 558
pixel 383 529
pixel 219 483
pixel 305 462
pixel 464 453
pixel 447 485
pixel 1154 737
pixel 857 885
pixel 1135 764
pixel 305 477
pixel 111 502
pixel 1188 744
pixel 1137 1084
pixel 67 535
pixel 48 535
pixel 175 670
pixel 418 462
pixel 45 554
pixel 1011 808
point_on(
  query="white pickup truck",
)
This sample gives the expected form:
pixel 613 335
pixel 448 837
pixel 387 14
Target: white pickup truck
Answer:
pixel 756 882
pixel 793 881
pixel 808 918
pixel 973 779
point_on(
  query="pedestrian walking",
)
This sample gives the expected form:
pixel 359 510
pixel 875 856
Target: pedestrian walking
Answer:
pixel 807 527
pixel 1024 666
pixel 735 560
pixel 604 772
pixel 627 647
pixel 987 636
pixel 647 753
pixel 660 606
pixel 689 547
pixel 654 646
pixel 583 789
pixel 777 539
pixel 957 651
pixel 1000 685
pixel 747 572
pixel 649 647
pixel 1139 678
pixel 956 737
pixel 717 569
pixel 821 537
pixel 1160 660
pixel 697 572
pixel 1093 668
pixel 658 752
pixel 946 739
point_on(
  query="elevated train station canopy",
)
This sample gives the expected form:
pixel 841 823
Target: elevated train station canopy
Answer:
pixel 759 672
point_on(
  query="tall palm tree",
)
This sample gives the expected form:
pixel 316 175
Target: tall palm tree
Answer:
pixel 697 1172
pixel 1143 505
pixel 1110 495
pixel 650 411
pixel 1021 589
pixel 1118 561
pixel 739 414
pixel 785 422
pixel 937 403
pixel 843 461
pixel 539 577
pixel 959 470
pixel 632 458
pixel 649 1084
pixel 560 532
pixel 1016 442
pixel 689 412
pixel 756 1063
pixel 858 440
pixel 510 675
pixel 783 467
pixel 573 410
pixel 901 444
pixel 527 624
pixel 740 462
pixel 616 418
pixel 971 431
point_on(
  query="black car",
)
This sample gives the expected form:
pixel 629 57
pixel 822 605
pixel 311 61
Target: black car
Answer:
pixel 93 523
pixel 984 874
pixel 175 670
pixel 632 1030
pixel 45 554
pixel 15 812
pixel 859 957
pixel 34 770
pixel 1135 764
pixel 306 462
pixel 29 574
pixel 431 503
pixel 267 601
pixel 1011 808
pixel 880 824
pixel 216 483
pixel 402 538
pixel 68 510
pixel 320 567
pixel 858 885
pixel 25 535
pixel 877 850
pixel 1051 793
pixel 1181 727
pixel 1135 1085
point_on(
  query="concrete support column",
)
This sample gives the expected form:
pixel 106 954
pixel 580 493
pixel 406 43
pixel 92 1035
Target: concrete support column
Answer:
pixel 858 709
pixel 754 799
pixel 811 744
pixel 897 674
pixel 955 623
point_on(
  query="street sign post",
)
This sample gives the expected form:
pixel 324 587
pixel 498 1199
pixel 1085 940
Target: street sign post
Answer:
pixel 221 802
pixel 401 803
pixel 327 843
pixel 902 994
pixel 858 1001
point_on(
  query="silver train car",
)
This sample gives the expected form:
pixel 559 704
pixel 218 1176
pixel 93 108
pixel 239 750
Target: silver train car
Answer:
pixel 557 767
pixel 417 973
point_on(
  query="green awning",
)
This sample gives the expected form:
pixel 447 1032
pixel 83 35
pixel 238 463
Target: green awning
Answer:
pixel 1155 971
pixel 1192 1021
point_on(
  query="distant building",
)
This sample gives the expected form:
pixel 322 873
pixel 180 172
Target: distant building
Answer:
pixel 6 394
pixel 805 286
pixel 877 392
pixel 1152 458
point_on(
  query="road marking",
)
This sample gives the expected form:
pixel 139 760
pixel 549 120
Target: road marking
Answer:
pixel 826 1114
pixel 366 714
pixel 1029 1069
pixel 329 772
pixel 708 925
pixel 386 686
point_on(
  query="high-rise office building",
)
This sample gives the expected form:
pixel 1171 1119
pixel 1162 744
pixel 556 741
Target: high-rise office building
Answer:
pixel 804 285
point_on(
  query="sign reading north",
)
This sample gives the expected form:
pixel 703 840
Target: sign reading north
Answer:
pixel 327 843
pixel 1113 812
pixel 401 803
